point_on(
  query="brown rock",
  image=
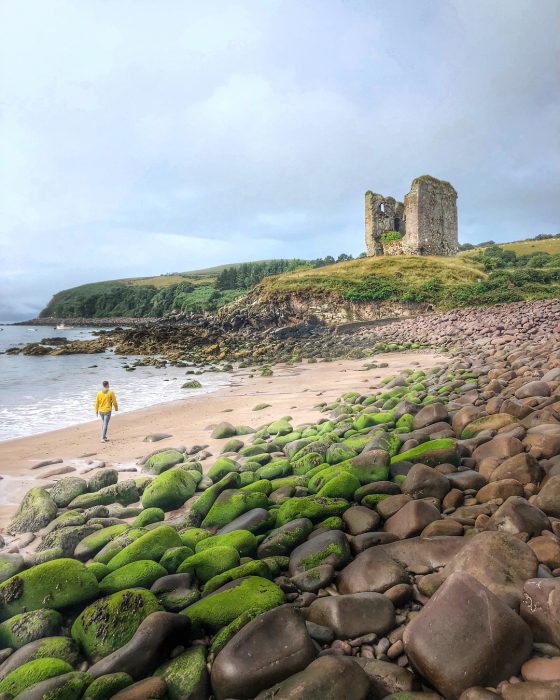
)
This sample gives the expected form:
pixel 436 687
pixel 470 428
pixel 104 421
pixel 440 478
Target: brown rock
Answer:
pixel 360 543
pixel 411 519
pixel 463 417
pixel 443 528
pixel 354 614
pixel 543 440
pixel 532 691
pixel 548 498
pixel 270 648
pixel 433 413
pixel 540 608
pixel 523 467
pixel 386 678
pixel 373 570
pixel 541 669
pixel 515 408
pixel 149 689
pixel 478 694
pixel 547 550
pixel 359 519
pixel 538 388
pixel 420 555
pixel 501 447
pixel 517 515
pixel 466 636
pixel 389 506
pixel 423 482
pixel 500 489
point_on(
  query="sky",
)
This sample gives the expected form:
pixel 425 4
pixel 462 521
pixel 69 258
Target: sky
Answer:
pixel 140 137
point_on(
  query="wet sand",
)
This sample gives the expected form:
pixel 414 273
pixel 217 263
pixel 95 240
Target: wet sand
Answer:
pixel 292 391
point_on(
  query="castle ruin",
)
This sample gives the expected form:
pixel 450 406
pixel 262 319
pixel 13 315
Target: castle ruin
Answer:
pixel 425 224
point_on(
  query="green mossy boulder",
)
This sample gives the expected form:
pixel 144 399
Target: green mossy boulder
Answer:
pixel 149 516
pixel 117 544
pixel 200 508
pixel 29 626
pixel 492 422
pixel 125 493
pixel 209 563
pixel 36 510
pixel 221 467
pixel 160 462
pixel 138 574
pixel 356 442
pixel 223 430
pixel 109 623
pixel 261 485
pixel 405 424
pixel 32 672
pixel 222 607
pixel 432 453
pixel 339 453
pixel 10 565
pixel 341 486
pixel 274 470
pixel 55 585
pixel 186 676
pixel 313 507
pixel 283 540
pixel 280 427
pixel 169 490
pixel 98 569
pixel 193 535
pixel 230 504
pixel 174 557
pixel 307 463
pixel 90 545
pixel 67 489
pixel 250 568
pixel 104 687
pixel 369 420
pixel 243 541
pixel 62 648
pixel 152 545
pixel 67 686
pixel 233 445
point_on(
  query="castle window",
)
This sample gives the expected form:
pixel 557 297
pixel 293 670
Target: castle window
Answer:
pixel 382 208
pixel 397 224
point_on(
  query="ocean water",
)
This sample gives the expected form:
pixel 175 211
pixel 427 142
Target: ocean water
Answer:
pixel 38 394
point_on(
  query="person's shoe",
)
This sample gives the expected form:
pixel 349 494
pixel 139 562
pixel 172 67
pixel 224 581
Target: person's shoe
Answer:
pixel 105 439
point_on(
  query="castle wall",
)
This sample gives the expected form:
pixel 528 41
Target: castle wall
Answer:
pixel 382 214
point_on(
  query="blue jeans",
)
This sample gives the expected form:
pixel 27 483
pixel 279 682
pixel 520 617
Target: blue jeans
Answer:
pixel 105 418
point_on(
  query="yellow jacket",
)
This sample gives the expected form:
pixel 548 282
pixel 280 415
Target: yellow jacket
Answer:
pixel 105 401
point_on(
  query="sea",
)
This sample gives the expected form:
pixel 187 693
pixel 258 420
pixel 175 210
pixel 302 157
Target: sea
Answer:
pixel 38 394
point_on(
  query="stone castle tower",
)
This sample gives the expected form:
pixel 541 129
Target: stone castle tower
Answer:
pixel 426 224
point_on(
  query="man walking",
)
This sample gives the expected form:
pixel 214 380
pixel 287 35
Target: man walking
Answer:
pixel 104 403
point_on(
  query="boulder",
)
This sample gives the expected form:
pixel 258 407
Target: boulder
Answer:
pixel 330 547
pixel 411 519
pixel 517 515
pixel 354 614
pixel 186 675
pixel 548 498
pixel 424 482
pixel 373 570
pixel 540 608
pixel 35 511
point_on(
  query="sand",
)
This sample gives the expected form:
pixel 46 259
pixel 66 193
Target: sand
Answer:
pixel 293 391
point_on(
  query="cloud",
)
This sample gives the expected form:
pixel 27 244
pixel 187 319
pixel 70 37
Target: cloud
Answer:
pixel 140 137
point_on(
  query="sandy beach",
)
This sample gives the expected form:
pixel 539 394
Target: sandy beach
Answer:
pixel 292 390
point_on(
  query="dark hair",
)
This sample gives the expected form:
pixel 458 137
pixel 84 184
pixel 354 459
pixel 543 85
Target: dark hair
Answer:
pixel 105 383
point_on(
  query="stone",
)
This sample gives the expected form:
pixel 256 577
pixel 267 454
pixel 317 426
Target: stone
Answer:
pixel 386 678
pixel 270 648
pixel 547 550
pixel 467 479
pixel 411 519
pixel 371 571
pixel 424 482
pixel 533 690
pixel 282 540
pixel 499 561
pixel 517 515
pixel 500 489
pixel 354 614
pixel 330 547
pixel 537 388
pixel 314 579
pixel 523 467
pixel 548 498
pixel 359 519
pixel 540 608
pixel 35 511
pixel 186 675
pixel 466 636
pixel 326 677
pixel 148 689
pixel 433 413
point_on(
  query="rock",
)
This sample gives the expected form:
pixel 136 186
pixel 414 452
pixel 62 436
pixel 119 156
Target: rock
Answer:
pixel 151 545
pixel 36 510
pixel 433 413
pixel 540 608
pixel 499 561
pixel 106 687
pixel 156 437
pixel 424 482
pixel 523 467
pixel 548 498
pixel 27 627
pixel 65 490
pixel 443 528
pixel 431 453
pixel 65 539
pixel 314 579
pixel 411 519
pixel 547 550
pixel 372 570
pixel 495 421
pixel 169 490
pixel 328 548
pixel 31 673
pixel 156 636
pixel 537 388
pixel 283 540
pixel 257 520
pixel 466 636
pixel 186 675
pixel 68 685
pixel 315 508
pixel 533 691
pixel 229 505
pixel 270 648
pixel 517 515
pixel 137 574
pixel 10 565
pixel 223 430
pixel 102 479
pixel 541 670
pixel 360 543
pixel 467 479
pixel 386 678
pixel 148 689
pixel 354 614
pixel 500 489
pixel 420 555
pixel 359 519
pixel 326 677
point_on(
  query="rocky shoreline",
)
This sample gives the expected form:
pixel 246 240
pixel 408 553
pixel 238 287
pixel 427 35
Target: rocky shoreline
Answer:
pixel 405 545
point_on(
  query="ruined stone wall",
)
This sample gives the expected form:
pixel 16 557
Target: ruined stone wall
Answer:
pixel 382 214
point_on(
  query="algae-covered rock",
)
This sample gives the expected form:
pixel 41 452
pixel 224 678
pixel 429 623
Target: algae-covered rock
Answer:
pixel 315 508
pixel 174 557
pixel 193 535
pixel 101 479
pixel 169 490
pixel 138 574
pixel 432 453
pixel 152 545
pixel 251 568
pixel 109 623
pixel 125 493
pixel 283 540
pixel 342 485
pixel 93 543
pixel 104 687
pixel 226 604
pixel 160 462
pixel 10 565
pixel 66 539
pixel 148 516
pixel 29 626
pixel 221 467
pixel 56 585
pixel 186 675
pixel 62 648
pixel 201 506
pixel 223 430
pixel 36 510
pixel 117 544
pixel 244 541
pixel 67 489
pixel 98 569
pixel 230 504
pixel 32 672
pixel 67 686
pixel 492 422
pixel 211 562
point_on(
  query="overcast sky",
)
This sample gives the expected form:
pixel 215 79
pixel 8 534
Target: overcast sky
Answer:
pixel 147 136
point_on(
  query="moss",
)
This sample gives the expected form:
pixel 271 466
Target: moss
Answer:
pixel 282 440
pixel 138 574
pixel 98 570
pixel 405 423
pixel 260 406
pixel 174 557
pixel 368 420
pixel 68 686
pixel 152 545
pixel 261 485
pixel 116 545
pixel 160 462
pixel 277 564
pixel 33 672
pixel 148 516
pixel 125 493
pixel 246 478
pixel 230 504
pixel 339 453
pixel 332 523
pixel 221 467
pixel 169 490
pixel 200 508
pixel 372 499
pixel 186 674
pixel 292 481
pixel 62 648
pixel 274 470
pixel 36 510
pixel 356 442
pixel 95 542
pixel 56 585
pixel 492 422
pixel 282 541
pixel 104 687
pixel 313 507
pixel 223 606
pixel 317 558
pixel 233 445
pixel 29 626
pixel 250 568
pixel 243 541
pixel 432 453
pixel 252 450
pixel 223 430
pixel 341 486
pixel 109 623
pixel 211 562
pixel 280 427
pixel 194 535
pixel 306 463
